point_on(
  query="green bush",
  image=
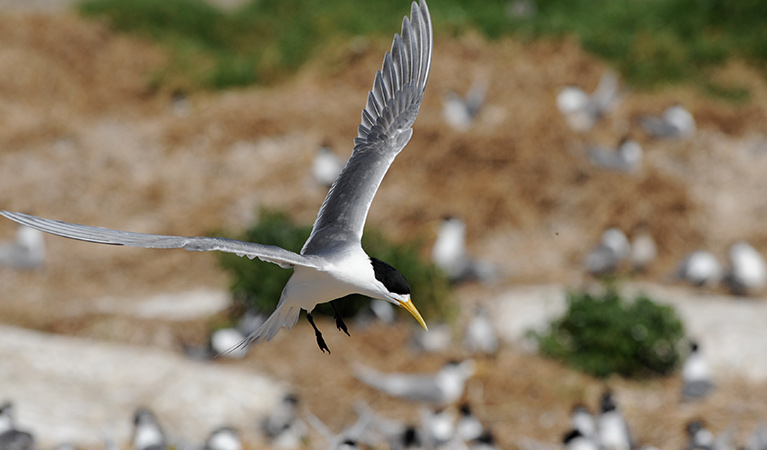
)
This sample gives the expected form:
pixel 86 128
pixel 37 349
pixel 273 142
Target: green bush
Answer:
pixel 603 335
pixel 258 284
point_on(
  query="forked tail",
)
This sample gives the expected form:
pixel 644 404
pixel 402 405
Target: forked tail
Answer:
pixel 281 317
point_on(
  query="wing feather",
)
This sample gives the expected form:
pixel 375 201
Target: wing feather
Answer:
pixel 385 128
pixel 270 253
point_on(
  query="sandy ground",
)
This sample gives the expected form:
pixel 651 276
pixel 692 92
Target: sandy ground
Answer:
pixel 84 139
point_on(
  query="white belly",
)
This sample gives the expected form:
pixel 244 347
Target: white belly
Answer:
pixel 309 287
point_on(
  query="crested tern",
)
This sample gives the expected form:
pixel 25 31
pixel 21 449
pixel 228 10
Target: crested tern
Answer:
pixel 223 438
pixel 696 375
pixel 582 110
pixel 613 431
pixel 444 387
pixel 27 251
pixel 332 263
pixel 676 122
pixel 10 436
pixel 147 432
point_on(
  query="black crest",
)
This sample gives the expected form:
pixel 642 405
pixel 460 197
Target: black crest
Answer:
pixel 390 277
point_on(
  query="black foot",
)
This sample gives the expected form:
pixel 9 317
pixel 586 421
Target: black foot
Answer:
pixel 318 335
pixel 339 320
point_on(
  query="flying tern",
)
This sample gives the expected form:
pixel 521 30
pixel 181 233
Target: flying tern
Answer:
pixel 332 263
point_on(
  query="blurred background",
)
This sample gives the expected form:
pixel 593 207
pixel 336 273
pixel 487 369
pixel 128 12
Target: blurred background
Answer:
pixel 602 161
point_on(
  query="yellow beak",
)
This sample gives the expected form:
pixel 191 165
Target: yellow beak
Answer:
pixel 410 307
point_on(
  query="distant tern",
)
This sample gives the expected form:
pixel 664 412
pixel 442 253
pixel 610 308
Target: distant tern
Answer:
pixel 701 268
pixel 582 420
pixel 696 375
pixel 613 248
pixel 450 254
pixel 480 336
pixel 460 112
pixel 147 433
pixel 332 263
pixel 676 122
pixel 613 430
pixel 643 249
pixel 283 426
pixel 575 440
pixel 27 251
pixel 326 166
pixel 468 427
pixel 582 110
pixel 748 269
pixel 627 157
pixel 699 437
pixel 223 438
pixel 443 387
pixel 10 437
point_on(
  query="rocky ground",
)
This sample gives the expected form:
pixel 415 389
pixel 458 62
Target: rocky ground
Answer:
pixel 85 140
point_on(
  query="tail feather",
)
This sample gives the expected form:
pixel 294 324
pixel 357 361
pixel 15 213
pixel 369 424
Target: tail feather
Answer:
pixel 281 317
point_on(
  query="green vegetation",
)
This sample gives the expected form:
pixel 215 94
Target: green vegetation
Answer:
pixel 603 335
pixel 259 284
pixel 655 41
pixel 650 41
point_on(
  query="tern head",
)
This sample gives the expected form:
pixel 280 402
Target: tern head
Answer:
pixel 6 417
pixel 393 287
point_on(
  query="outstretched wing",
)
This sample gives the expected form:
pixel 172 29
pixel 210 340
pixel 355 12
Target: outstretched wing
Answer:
pixel 270 253
pixel 391 109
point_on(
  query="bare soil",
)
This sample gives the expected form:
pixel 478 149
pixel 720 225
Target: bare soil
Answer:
pixel 84 139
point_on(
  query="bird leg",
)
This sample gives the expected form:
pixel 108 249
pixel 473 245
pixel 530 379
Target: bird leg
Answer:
pixel 339 320
pixel 318 335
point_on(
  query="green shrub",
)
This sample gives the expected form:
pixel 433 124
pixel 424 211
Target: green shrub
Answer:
pixel 603 335
pixel 259 284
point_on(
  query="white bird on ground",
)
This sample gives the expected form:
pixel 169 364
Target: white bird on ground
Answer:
pixel 699 437
pixel 27 251
pixel 460 112
pixel 574 440
pixel 613 248
pixel 748 270
pixel 582 420
pixel 582 110
pixel 449 253
pixel 326 166
pixel 643 249
pixel 612 428
pixel 485 441
pixel 701 268
pixel 468 427
pixel 223 438
pixel 332 263
pixel 480 336
pixel 12 438
pixel 676 122
pixel 147 433
pixel 282 426
pixel 438 426
pixel 626 158
pixel 443 388
pixel 225 341
pixel 696 375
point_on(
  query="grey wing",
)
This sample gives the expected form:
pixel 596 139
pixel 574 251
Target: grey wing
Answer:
pixel 391 109
pixel 270 253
